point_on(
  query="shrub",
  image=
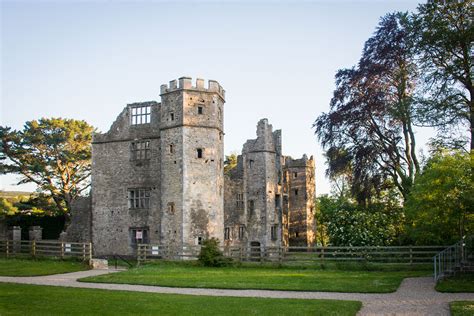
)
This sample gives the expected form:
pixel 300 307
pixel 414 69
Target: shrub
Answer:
pixel 211 256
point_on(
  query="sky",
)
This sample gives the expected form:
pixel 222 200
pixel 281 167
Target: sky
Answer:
pixel 276 59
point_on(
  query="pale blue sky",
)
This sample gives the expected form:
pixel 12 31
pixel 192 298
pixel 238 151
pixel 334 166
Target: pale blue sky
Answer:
pixel 275 59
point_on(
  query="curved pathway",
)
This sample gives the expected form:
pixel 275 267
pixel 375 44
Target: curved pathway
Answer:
pixel 415 296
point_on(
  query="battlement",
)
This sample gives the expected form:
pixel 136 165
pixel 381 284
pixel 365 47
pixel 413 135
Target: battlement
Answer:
pixel 186 83
pixel 302 162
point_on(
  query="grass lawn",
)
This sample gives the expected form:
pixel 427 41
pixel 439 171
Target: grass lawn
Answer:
pixel 30 267
pixel 462 308
pixel 187 274
pixel 461 283
pixel 20 299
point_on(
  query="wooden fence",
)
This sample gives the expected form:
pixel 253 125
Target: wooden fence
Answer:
pixel 301 255
pixel 32 248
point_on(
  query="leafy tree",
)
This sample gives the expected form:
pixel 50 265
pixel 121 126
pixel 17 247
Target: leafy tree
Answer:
pixel 230 162
pixel 348 224
pixel 55 154
pixel 440 209
pixel 445 33
pixel 368 133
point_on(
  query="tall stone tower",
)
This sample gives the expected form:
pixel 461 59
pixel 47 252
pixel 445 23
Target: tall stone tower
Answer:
pixel 192 152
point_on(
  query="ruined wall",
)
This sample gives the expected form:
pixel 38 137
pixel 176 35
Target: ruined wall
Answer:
pixel 260 161
pixel 235 219
pixel 80 229
pixel 301 194
pixel 115 172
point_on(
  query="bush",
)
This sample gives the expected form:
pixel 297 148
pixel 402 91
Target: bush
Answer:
pixel 211 256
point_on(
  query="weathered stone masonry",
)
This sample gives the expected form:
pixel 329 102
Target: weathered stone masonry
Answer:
pixel 157 177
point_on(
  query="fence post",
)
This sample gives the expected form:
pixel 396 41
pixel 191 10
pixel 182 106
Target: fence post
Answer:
pixel 90 252
pixel 83 252
pixel 434 264
pixel 280 254
pixel 411 255
pixel 8 248
pixel 62 250
pixel 33 248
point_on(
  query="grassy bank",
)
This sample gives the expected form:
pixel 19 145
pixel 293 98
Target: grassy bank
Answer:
pixel 31 267
pixel 187 274
pixel 19 299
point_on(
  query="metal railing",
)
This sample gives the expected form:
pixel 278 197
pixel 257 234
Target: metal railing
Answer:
pixel 43 248
pixel 448 261
pixel 299 255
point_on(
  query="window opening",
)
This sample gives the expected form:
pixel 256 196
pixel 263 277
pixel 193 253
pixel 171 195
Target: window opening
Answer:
pixel 141 115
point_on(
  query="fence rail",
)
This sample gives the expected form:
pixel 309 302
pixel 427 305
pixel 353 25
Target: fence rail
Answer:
pixel 46 248
pixel 300 255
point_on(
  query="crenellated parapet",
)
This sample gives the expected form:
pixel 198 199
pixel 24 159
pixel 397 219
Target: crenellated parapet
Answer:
pixel 186 83
pixel 301 162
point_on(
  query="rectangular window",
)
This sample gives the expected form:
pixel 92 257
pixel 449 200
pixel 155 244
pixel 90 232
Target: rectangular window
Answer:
pixel 296 191
pixel 274 232
pixel 277 201
pixel 200 109
pixel 241 232
pixel 227 233
pixel 138 236
pixel 171 149
pixel 141 150
pixel 240 201
pixel 250 163
pixel 172 116
pixel 141 115
pixel 295 174
pixel 251 206
pixel 139 198
pixel 199 152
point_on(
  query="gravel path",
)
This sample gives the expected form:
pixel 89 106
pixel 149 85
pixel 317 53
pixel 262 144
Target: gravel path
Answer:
pixel 415 296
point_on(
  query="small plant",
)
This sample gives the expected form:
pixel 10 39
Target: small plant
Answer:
pixel 211 256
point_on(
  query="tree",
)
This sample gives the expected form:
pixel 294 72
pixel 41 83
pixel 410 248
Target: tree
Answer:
pixel 347 224
pixel 440 208
pixel 445 32
pixel 230 162
pixel 55 154
pixel 369 129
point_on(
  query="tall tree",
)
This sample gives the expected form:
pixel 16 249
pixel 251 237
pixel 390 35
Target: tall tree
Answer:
pixel 440 208
pixel 55 154
pixel 371 116
pixel 445 32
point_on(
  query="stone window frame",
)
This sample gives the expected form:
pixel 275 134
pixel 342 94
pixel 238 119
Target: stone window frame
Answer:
pixel 200 153
pixel 200 109
pixel 138 198
pixel 140 150
pixel 295 191
pixel 241 232
pixel 295 175
pixel 171 148
pixel 133 233
pixel 172 116
pixel 251 206
pixel 239 202
pixel 140 114
pixel 226 233
pixel 274 232
pixel 251 162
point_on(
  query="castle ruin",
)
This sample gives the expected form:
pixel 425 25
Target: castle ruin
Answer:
pixel 158 178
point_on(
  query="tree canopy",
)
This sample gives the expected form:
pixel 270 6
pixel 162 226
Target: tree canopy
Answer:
pixel 55 154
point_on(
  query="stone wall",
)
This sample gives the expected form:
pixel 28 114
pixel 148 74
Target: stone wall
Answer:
pixel 80 228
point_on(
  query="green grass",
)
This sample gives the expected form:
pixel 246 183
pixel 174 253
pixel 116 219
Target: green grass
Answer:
pixel 458 284
pixel 30 267
pixel 20 299
pixel 188 274
pixel 462 308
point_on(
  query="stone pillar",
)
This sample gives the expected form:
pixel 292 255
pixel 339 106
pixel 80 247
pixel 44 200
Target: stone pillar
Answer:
pixel 36 233
pixel 63 236
pixel 14 233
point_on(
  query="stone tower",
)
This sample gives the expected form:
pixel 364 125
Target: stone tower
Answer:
pixel 300 202
pixel 192 151
pixel 262 169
